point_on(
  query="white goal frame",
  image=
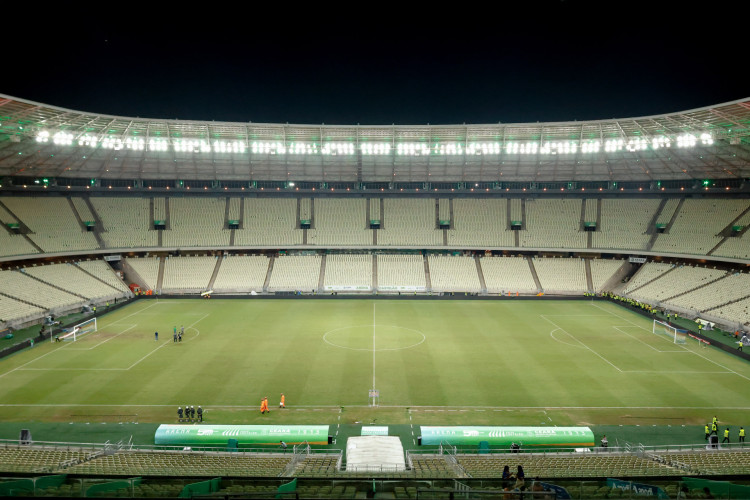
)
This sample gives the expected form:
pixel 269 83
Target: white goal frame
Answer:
pixel 661 328
pixel 77 331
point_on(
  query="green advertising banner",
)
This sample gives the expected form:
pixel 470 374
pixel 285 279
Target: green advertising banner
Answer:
pixel 571 437
pixel 246 435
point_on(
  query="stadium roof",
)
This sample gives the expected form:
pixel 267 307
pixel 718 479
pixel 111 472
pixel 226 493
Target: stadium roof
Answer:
pixel 38 140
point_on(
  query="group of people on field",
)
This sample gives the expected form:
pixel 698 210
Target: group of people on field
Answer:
pixel 713 429
pixel 189 413
pixel 264 404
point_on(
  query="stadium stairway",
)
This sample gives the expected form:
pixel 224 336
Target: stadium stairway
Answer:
pixel 167 219
pixel 271 260
pixel 219 260
pixel 652 224
pixel 98 224
pixel 480 274
pixel 614 284
pixel 533 273
pixel 674 215
pixel 160 278
pixel 23 229
pixel 727 231
pixel 76 214
pixel 589 279
pixel 428 281
pixel 322 275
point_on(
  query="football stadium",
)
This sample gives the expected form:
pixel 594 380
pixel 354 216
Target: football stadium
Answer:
pixel 241 310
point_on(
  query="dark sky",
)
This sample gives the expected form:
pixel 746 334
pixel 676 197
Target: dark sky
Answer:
pixel 376 64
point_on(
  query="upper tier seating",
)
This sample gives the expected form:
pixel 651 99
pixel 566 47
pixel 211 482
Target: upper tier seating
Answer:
pixel 553 223
pixel 196 222
pixel 698 224
pixel 480 223
pixel 409 222
pixel 126 222
pixel 14 244
pixel 625 223
pixel 269 222
pixel 52 222
pixel 340 222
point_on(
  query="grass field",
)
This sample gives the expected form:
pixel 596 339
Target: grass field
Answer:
pixel 435 362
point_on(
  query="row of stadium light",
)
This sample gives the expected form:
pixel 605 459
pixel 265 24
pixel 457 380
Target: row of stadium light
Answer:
pixel 375 149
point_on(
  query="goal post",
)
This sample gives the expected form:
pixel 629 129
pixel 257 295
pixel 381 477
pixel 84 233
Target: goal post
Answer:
pixel 677 335
pixel 77 331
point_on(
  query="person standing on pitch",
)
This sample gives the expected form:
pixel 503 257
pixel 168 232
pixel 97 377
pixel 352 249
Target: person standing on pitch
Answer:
pixel 726 436
pixel 156 336
pixel 742 434
pixel 179 413
pixel 281 404
pixel 708 432
pixel 192 412
pixel 200 414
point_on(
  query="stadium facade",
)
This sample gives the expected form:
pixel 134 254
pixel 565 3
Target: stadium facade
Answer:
pixel 656 209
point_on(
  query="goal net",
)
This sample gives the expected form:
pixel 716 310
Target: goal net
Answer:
pixel 77 331
pixel 661 328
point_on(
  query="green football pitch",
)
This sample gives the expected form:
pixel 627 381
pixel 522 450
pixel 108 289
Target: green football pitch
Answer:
pixel 434 362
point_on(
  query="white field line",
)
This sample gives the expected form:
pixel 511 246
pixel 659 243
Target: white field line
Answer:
pixel 584 345
pixel 697 354
pixel 168 342
pixel 552 334
pixel 133 314
pixel 23 367
pixel 619 329
pixel 413 408
pixel 102 342
pixel 66 344
pixel 373 346
pixel 33 360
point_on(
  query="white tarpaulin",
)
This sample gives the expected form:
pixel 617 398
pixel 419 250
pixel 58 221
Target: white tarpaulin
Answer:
pixel 374 453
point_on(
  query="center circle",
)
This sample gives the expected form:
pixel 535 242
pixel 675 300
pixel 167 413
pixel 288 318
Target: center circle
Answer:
pixel 385 337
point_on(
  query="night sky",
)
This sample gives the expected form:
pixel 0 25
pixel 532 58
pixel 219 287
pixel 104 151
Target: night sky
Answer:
pixel 377 64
